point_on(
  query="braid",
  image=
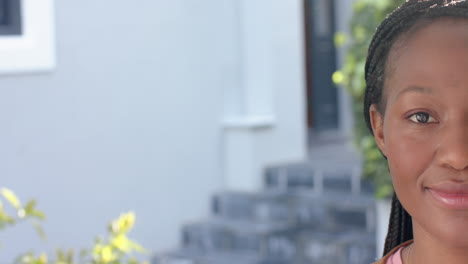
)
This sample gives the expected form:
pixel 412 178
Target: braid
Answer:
pixel 396 24
pixel 400 227
pixel 409 16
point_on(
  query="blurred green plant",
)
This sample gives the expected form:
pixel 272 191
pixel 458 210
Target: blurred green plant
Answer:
pixel 21 213
pixel 117 248
pixel 367 15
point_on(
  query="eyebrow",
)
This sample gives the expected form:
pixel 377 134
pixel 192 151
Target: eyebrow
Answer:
pixel 417 89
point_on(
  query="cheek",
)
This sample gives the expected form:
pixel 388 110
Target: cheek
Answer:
pixel 409 153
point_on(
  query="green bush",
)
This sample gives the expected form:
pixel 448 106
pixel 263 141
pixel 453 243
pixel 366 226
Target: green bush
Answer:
pixel 117 248
pixel 26 213
pixel 367 15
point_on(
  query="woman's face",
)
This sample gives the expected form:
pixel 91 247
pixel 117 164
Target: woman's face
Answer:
pixel 424 131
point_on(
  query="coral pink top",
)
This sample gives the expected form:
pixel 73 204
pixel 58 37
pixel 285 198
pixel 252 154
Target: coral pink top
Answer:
pixel 395 258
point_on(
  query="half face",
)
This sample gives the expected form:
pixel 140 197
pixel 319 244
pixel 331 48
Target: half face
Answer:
pixel 424 131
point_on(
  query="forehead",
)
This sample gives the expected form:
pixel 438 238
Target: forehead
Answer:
pixel 433 55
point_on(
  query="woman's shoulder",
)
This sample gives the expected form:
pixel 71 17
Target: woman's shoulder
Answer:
pixel 386 257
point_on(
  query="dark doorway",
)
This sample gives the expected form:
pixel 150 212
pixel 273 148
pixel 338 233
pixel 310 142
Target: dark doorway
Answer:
pixel 10 17
pixel 321 63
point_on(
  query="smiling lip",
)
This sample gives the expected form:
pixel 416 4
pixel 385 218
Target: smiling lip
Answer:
pixel 451 195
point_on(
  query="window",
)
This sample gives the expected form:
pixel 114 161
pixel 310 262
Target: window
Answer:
pixel 27 42
pixel 10 17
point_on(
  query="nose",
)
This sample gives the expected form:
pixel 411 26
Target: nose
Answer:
pixel 453 150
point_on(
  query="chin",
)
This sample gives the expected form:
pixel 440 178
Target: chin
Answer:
pixel 455 232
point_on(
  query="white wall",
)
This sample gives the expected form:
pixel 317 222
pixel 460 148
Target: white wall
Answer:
pixel 265 122
pixel 132 117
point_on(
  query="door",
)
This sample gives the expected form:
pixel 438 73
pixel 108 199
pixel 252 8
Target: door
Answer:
pixel 321 63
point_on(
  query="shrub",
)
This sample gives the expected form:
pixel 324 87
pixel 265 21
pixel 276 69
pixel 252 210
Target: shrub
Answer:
pixel 117 248
pixel 367 16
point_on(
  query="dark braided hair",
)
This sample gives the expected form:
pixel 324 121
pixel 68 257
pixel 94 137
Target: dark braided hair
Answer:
pixel 411 15
pixel 400 226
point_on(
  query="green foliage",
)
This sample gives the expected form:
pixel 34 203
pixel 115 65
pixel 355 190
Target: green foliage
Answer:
pixel 117 248
pixel 20 213
pixel 367 16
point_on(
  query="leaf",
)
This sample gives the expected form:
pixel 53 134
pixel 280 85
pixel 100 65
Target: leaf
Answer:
pixel 39 230
pixel 5 218
pixel 24 258
pixel 30 258
pixel 70 256
pixel 11 197
pixel 137 247
pixel 97 248
pixel 30 206
pixel 340 39
pixel 123 224
pixel 60 255
pixel 121 242
pixel 83 254
pixel 338 77
pixel 132 261
pixel 384 191
pixel 30 210
pixel 42 259
pixel 107 255
pixel 64 257
pixel 38 214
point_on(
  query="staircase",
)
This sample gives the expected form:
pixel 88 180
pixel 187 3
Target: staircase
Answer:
pixel 315 212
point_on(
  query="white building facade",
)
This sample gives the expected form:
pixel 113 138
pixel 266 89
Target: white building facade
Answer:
pixel 153 107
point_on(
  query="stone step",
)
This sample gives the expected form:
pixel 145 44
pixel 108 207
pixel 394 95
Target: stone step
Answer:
pixel 309 212
pixel 336 212
pixel 184 256
pixel 187 256
pixel 305 176
pixel 216 235
pixel 290 178
pixel 328 211
pixel 258 207
pixel 319 211
pixel 305 247
pixel 337 248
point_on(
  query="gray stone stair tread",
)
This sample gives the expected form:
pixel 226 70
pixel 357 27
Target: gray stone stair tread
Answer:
pixel 338 248
pixel 257 207
pixel 256 197
pixel 189 256
pixel 321 176
pixel 343 199
pixel 229 258
pixel 242 226
pixel 261 194
pixel 348 236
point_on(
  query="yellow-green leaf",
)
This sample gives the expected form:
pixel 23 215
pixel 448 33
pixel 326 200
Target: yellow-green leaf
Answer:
pixel 123 224
pixel 107 255
pixel 39 230
pixel 137 247
pixel 121 242
pixel 30 206
pixel 11 197
pixel 338 77
pixel 37 214
pixel 340 39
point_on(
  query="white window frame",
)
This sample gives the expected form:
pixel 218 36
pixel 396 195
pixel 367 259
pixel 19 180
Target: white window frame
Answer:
pixel 34 50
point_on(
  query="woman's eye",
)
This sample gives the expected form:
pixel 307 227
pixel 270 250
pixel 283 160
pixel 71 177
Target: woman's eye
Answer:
pixel 422 118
